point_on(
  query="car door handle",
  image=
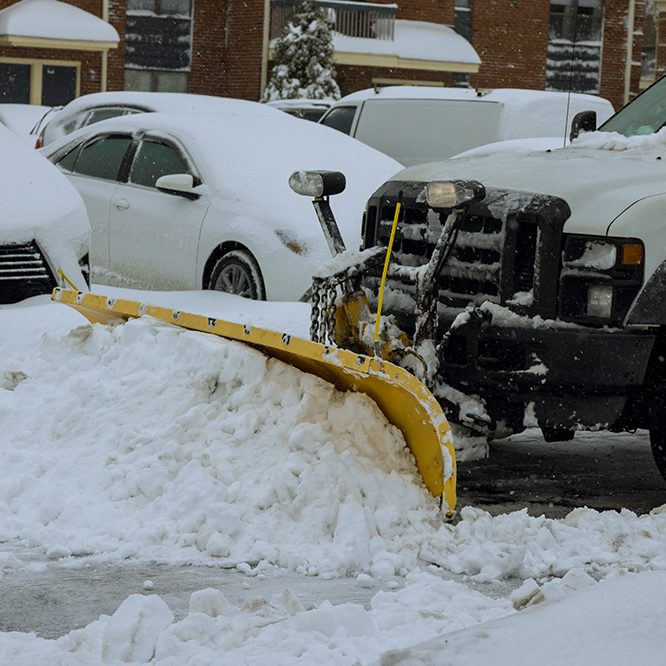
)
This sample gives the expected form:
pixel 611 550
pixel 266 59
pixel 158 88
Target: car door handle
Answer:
pixel 121 204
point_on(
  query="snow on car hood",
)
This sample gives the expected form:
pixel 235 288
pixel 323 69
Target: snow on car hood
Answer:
pixel 39 203
pixel 247 159
pixel 600 175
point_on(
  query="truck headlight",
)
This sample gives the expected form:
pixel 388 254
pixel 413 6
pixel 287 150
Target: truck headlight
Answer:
pixel 599 278
pixel 600 301
pixel 453 193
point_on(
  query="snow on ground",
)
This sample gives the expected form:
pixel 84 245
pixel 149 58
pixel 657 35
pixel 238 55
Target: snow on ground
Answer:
pixel 144 441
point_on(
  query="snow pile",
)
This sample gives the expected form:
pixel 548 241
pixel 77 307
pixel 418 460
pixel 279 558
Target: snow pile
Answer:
pixel 148 441
pixel 145 440
pixel 614 623
pixel 522 546
pixel 641 142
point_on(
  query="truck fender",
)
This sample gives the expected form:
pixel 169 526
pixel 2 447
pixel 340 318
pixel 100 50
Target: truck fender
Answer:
pixel 650 305
pixel 644 219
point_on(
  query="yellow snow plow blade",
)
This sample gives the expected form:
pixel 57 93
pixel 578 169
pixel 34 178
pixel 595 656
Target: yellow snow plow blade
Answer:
pixel 403 399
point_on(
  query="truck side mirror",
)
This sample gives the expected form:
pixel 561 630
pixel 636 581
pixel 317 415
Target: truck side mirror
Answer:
pixel 583 121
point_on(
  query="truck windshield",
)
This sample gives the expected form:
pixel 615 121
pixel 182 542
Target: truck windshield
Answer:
pixel 645 115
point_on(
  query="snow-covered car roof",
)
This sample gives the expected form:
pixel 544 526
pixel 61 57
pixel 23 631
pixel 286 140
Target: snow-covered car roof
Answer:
pixel 34 194
pixel 162 101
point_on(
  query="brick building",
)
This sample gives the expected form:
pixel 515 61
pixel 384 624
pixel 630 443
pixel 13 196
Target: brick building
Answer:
pixel 223 47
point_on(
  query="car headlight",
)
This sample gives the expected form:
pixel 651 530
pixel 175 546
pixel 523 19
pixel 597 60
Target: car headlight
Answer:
pixel 599 278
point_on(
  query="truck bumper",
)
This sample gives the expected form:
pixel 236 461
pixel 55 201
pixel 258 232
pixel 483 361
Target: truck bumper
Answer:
pixel 573 376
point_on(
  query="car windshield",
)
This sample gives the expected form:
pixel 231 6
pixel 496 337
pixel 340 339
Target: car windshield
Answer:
pixel 645 115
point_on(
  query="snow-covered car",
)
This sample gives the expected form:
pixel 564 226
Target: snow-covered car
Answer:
pixel 90 109
pixel 44 229
pixel 189 202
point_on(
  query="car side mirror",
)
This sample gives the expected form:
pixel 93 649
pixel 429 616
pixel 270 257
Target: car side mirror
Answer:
pixel 180 184
pixel 583 121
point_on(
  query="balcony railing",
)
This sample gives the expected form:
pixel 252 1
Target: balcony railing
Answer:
pixel 354 19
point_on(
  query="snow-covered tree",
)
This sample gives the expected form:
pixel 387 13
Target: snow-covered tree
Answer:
pixel 303 61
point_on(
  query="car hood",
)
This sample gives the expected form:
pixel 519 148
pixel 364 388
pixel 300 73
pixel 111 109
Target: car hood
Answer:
pixel 598 184
pixel 38 203
pixel 252 178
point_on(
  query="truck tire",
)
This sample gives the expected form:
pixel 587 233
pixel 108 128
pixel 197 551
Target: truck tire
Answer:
pixel 658 444
pixel 237 272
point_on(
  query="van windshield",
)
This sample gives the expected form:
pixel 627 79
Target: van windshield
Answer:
pixel 645 115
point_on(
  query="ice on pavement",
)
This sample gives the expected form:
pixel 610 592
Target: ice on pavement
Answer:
pixel 146 441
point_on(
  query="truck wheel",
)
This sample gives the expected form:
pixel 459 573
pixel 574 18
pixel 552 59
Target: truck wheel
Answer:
pixel 236 272
pixel 658 444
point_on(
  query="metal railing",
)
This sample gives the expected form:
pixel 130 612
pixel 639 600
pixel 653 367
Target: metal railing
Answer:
pixel 354 19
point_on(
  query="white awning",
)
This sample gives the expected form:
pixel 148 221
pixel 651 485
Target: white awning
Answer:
pixel 54 24
pixel 416 45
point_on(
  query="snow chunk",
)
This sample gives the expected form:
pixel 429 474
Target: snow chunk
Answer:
pixel 132 631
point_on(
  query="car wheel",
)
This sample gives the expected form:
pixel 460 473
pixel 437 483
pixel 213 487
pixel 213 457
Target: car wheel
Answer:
pixel 237 273
pixel 658 444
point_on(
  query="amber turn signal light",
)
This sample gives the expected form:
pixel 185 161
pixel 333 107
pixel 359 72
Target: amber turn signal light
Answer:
pixel 632 254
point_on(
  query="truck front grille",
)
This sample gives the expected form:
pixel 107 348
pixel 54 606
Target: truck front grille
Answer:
pixel 503 247
pixel 24 272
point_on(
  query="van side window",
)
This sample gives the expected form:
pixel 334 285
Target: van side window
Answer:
pixel 340 118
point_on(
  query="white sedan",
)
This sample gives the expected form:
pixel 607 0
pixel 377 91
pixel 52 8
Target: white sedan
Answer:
pixel 44 229
pixel 203 202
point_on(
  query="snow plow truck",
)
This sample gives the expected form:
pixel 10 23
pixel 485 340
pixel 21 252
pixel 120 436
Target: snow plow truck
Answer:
pixel 525 289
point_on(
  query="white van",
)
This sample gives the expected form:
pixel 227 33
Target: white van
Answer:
pixel 416 124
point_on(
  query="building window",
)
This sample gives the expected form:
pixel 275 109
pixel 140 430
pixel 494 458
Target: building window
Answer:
pixel 46 82
pixel 14 83
pixel 575 20
pixel 463 18
pixel 158 45
pixel 649 50
pixel 462 23
pixel 574 47
pixel 155 81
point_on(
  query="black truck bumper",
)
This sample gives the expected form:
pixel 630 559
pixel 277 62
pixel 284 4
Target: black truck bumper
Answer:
pixel 574 377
